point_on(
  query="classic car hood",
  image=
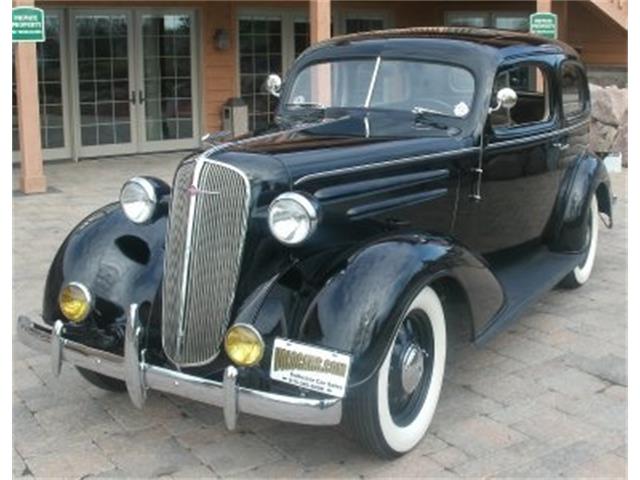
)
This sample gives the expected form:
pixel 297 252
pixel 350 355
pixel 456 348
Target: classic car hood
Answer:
pixel 339 143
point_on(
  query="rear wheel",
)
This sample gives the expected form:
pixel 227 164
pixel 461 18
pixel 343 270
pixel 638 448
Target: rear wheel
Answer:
pixel 580 274
pixel 391 412
pixel 102 381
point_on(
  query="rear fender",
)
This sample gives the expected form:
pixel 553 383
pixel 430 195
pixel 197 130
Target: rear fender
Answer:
pixel 586 178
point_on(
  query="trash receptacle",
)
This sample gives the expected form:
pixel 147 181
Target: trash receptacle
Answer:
pixel 235 117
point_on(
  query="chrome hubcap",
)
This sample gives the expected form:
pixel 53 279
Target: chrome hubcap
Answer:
pixel 412 368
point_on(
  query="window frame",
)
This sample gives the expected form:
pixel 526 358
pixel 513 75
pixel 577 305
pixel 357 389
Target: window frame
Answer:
pixel 585 85
pixel 489 16
pixel 66 150
pixel 548 123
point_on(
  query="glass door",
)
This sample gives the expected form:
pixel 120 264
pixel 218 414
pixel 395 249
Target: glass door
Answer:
pixel 260 40
pixel 103 87
pixel 166 81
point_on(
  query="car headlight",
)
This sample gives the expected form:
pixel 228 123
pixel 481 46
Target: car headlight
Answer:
pixel 293 217
pixel 138 199
pixel 75 302
pixel 244 345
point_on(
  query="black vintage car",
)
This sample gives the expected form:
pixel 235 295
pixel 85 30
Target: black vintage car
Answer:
pixel 413 182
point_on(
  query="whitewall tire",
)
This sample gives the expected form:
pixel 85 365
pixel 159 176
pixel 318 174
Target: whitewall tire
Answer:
pixel 580 274
pixel 392 411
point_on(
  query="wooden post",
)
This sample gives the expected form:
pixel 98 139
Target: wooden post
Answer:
pixel 320 20
pixel 320 23
pixel 32 179
pixel 541 6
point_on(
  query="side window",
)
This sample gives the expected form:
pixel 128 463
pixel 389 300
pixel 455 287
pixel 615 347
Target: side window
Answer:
pixel 531 83
pixel 574 90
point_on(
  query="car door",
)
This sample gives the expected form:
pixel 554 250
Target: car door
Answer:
pixel 573 138
pixel 520 165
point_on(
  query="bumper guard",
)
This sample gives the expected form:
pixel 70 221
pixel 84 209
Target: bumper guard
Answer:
pixel 140 376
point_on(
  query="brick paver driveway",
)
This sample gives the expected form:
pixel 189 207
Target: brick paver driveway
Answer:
pixel 546 398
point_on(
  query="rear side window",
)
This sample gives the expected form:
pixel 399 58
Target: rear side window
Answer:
pixel 574 90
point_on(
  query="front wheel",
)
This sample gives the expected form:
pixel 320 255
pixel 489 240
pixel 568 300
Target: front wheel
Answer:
pixel 580 274
pixel 391 412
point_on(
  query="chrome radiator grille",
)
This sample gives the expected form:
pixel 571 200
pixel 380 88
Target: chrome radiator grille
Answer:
pixel 205 238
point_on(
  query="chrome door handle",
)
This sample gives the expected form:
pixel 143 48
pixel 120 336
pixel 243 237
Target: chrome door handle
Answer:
pixel 140 97
pixel 560 146
pixel 132 98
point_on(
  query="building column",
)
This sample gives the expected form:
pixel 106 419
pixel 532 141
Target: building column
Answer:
pixel 543 5
pixel 320 20
pixel 32 179
pixel 320 23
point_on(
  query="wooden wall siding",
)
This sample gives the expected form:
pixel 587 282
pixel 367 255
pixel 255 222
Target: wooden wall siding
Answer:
pixel 601 41
pixel 219 66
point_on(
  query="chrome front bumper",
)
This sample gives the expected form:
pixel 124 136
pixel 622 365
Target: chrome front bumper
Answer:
pixel 140 376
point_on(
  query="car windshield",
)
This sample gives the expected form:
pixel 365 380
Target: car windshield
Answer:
pixel 421 87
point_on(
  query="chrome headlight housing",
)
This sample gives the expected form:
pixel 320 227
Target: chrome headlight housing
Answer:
pixel 138 199
pixel 293 217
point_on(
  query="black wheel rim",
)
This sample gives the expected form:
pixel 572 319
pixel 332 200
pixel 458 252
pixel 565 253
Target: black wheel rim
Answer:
pixel 415 331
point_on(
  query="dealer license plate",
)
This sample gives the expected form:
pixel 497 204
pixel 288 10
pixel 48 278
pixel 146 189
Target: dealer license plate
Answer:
pixel 310 367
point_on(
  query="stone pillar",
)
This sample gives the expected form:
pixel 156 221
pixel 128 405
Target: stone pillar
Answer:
pixel 32 179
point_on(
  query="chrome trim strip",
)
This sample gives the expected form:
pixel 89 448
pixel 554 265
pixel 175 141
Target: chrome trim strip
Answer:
pixel 461 151
pixel 540 136
pixel 187 258
pixel 396 161
pixel 328 411
pixel 372 84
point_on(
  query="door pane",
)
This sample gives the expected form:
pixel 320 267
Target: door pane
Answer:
pixel 355 25
pixel 301 38
pixel 260 54
pixel 49 88
pixel 168 106
pixel 103 78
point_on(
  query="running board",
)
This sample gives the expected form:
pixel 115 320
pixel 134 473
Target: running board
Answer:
pixel 524 281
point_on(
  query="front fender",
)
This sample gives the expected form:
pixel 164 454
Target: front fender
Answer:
pixel 586 178
pixel 358 307
pixel 119 261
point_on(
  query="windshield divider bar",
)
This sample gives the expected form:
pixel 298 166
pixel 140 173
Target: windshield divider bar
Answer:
pixel 373 83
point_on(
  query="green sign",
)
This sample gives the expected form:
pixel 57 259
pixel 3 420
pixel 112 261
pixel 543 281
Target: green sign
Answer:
pixel 544 24
pixel 28 24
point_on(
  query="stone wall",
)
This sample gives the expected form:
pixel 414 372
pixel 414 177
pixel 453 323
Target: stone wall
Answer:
pixel 608 75
pixel 609 120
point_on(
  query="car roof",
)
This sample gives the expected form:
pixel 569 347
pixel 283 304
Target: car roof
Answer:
pixel 505 43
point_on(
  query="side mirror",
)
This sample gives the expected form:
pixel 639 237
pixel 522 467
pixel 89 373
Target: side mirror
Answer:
pixel 506 98
pixel 273 84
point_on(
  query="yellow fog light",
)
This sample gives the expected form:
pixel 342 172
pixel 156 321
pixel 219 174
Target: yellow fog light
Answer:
pixel 244 345
pixel 75 302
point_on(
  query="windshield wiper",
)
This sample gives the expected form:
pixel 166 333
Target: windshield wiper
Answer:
pixel 420 111
pixel 301 105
